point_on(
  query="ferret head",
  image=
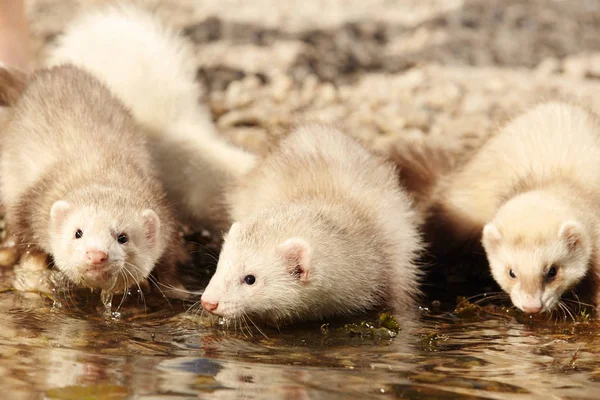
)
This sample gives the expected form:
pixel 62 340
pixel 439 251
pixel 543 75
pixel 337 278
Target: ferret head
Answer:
pixel 102 248
pixel 263 270
pixel 537 250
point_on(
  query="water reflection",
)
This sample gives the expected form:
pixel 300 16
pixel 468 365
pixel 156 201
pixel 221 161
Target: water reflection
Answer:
pixel 75 353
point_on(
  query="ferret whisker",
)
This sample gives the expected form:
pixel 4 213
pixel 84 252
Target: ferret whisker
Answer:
pixel 200 245
pixel 138 286
pixel 141 296
pixel 68 295
pixel 246 319
pixel 256 326
pixel 485 295
pixel 242 323
pixel 65 296
pixel 201 311
pixel 578 302
pixel 211 256
pixel 565 316
pixel 242 331
pixel 197 307
pixel 566 308
pixel 191 307
pixel 557 311
pixel 153 280
pixel 176 288
pixel 564 311
pixel 122 273
pixel 239 323
pixel 498 296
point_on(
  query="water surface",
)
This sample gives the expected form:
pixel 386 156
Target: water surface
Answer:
pixel 158 350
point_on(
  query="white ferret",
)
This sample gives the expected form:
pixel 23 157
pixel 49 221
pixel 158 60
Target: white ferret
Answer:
pixel 78 183
pixel 531 193
pixel 322 228
pixel 152 69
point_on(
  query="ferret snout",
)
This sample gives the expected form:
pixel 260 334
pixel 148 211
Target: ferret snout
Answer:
pixel 208 306
pixel 532 304
pixel 532 309
pixel 95 257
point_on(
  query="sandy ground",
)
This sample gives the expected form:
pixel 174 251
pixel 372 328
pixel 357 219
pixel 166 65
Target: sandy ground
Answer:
pixel 377 68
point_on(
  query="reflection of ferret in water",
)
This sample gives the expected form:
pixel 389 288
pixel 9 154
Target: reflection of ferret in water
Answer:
pixel 322 229
pixel 531 194
pixel 78 184
pixel 152 70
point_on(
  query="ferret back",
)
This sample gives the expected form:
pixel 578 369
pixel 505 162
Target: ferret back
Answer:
pixel 151 68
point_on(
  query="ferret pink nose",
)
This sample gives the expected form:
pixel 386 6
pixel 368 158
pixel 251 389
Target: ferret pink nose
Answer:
pixel 532 309
pixel 96 256
pixel 210 307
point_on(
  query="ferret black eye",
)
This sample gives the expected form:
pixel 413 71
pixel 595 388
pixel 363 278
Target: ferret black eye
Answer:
pixel 250 279
pixel 123 238
pixel 78 234
pixel 551 273
pixel 511 274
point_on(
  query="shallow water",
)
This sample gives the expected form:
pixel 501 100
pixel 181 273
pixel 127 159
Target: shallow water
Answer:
pixel 158 350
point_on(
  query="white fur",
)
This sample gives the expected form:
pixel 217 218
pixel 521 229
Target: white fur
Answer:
pixel 553 152
pixel 69 252
pixel 152 69
pixel 324 228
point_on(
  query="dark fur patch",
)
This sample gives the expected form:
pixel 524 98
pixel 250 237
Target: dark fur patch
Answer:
pixel 12 84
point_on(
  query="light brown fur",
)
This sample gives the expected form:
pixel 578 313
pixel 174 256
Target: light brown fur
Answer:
pixel 70 139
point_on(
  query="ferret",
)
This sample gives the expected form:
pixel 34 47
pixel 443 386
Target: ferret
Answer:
pixel 78 184
pixel 322 228
pixel 152 70
pixel 531 195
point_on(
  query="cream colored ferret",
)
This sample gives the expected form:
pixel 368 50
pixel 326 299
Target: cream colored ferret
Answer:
pixel 322 229
pixel 152 70
pixel 78 184
pixel 532 192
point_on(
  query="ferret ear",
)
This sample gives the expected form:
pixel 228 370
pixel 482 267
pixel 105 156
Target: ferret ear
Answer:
pixel 233 230
pixel 58 213
pixel 572 233
pixel 491 236
pixel 297 254
pixel 151 225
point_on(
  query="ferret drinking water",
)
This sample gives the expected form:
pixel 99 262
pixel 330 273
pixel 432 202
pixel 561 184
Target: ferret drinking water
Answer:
pixel 531 193
pixel 152 70
pixel 78 183
pixel 322 229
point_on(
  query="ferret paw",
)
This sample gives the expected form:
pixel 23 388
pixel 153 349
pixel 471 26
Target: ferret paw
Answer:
pixel 32 274
pixel 9 256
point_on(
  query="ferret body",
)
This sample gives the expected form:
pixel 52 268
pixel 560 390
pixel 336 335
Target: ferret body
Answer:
pixel 152 70
pixel 531 194
pixel 322 229
pixel 78 184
